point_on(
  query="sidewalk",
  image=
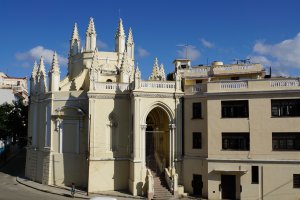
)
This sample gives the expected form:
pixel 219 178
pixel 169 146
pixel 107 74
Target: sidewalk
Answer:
pixel 65 191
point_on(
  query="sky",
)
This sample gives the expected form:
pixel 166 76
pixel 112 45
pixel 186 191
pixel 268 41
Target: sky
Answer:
pixel 265 31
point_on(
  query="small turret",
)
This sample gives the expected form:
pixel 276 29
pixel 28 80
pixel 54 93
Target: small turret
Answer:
pixel 137 77
pixel 155 71
pixel 42 87
pixel 75 41
pixel 130 45
pixel 54 75
pixel 162 73
pixel 33 79
pixel 120 38
pixel 90 40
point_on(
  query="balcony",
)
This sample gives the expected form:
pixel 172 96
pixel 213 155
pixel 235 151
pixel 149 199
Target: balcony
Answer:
pixel 235 69
pixel 147 86
pixel 256 85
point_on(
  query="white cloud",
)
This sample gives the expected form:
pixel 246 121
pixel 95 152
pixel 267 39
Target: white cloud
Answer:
pixel 191 52
pixel 206 43
pixel 35 54
pixel 101 45
pixel 142 52
pixel 282 56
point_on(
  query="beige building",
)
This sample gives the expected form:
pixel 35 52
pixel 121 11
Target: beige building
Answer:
pixel 13 89
pixel 220 131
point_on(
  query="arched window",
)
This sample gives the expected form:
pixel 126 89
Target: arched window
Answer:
pixel 108 80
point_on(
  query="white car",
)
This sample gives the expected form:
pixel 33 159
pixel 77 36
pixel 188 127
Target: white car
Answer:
pixel 103 198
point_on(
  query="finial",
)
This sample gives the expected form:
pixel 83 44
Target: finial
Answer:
pixel 91 27
pixel 54 66
pixel 41 70
pixel 34 70
pixel 75 34
pixel 130 37
pixel 120 30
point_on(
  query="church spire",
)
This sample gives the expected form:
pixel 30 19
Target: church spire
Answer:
pixel 155 71
pixel 120 38
pixel 54 65
pixel 75 41
pixel 54 74
pixel 33 79
pixel 162 72
pixel 90 42
pixel 130 45
pixel 42 77
pixel 34 70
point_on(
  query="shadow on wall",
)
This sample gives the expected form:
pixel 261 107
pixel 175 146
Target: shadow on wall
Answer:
pixel 73 127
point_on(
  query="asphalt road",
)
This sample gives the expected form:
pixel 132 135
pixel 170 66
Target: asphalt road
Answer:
pixel 11 190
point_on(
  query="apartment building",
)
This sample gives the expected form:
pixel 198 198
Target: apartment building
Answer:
pixel 241 132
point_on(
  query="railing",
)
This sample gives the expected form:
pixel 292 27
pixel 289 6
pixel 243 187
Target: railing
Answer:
pixel 234 85
pixel 150 184
pixel 284 83
pixel 112 86
pixel 158 84
pixel 169 179
pixel 197 88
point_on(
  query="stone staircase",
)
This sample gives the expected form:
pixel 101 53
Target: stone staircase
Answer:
pixel 161 190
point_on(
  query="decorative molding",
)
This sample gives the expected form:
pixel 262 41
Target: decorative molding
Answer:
pixel 108 96
pixel 172 126
pixel 153 95
pixel 143 126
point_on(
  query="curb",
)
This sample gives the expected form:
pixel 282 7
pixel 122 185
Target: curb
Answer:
pixel 47 191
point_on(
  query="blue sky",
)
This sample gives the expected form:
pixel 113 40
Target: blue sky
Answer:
pixel 265 31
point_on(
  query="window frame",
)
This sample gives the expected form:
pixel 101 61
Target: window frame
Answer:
pixel 296 181
pixel 194 116
pixel 235 109
pixel 195 146
pixel 285 108
pixel 288 141
pixel 255 174
pixel 231 139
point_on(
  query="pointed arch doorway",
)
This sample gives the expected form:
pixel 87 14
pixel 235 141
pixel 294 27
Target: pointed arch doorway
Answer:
pixel 158 140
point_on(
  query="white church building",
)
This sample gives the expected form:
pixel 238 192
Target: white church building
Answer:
pixel 90 127
pixel 224 131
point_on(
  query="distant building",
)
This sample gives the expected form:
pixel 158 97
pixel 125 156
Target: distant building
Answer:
pixel 219 131
pixel 13 89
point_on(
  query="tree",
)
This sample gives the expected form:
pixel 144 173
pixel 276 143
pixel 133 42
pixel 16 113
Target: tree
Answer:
pixel 13 121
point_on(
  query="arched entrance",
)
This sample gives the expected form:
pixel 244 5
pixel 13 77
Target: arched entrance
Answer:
pixel 158 140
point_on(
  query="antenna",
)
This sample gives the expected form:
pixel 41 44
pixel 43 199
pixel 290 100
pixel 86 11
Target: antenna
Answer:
pixel 186 45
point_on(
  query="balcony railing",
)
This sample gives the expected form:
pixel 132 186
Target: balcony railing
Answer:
pixel 158 84
pixel 284 83
pixel 234 85
pixel 112 86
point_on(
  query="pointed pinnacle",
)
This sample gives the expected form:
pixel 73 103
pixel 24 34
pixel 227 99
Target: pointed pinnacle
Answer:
pixel 54 66
pixel 91 27
pixel 34 70
pixel 75 34
pixel 120 30
pixel 130 37
pixel 41 70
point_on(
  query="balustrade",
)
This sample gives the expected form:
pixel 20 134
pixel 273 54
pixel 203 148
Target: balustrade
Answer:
pixel 284 83
pixel 158 84
pixel 234 85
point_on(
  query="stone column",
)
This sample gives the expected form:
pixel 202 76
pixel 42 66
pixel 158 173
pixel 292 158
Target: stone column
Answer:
pixel 172 145
pixel 143 144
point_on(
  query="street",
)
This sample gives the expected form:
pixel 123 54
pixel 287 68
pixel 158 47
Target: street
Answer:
pixel 11 190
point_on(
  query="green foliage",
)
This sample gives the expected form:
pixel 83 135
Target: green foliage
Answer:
pixel 13 121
